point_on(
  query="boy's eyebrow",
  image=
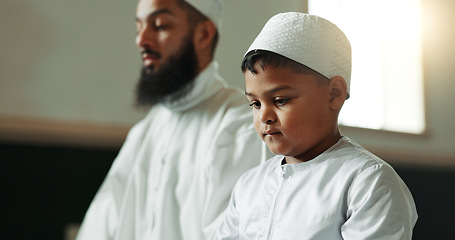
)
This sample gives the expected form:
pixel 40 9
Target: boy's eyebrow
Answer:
pixel 155 13
pixel 273 90
pixel 248 94
pixel 279 88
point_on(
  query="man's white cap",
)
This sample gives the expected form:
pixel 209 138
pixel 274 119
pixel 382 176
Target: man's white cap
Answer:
pixel 212 9
pixel 310 40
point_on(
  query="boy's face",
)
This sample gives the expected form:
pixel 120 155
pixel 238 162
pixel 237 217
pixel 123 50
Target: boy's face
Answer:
pixel 291 112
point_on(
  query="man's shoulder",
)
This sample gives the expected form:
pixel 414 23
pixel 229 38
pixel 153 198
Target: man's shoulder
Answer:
pixel 230 107
pixel 229 97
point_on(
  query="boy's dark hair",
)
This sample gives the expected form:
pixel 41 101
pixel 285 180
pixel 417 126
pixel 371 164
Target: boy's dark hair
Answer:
pixel 271 59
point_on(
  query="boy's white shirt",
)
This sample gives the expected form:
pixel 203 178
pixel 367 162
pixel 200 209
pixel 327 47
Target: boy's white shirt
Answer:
pixel 344 193
pixel 174 175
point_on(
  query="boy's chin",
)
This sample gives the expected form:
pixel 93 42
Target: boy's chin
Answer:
pixel 275 151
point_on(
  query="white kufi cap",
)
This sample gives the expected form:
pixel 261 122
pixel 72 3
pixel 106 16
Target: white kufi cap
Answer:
pixel 212 9
pixel 309 40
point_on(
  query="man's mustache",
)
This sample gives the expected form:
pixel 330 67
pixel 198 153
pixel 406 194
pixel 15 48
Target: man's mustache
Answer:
pixel 148 51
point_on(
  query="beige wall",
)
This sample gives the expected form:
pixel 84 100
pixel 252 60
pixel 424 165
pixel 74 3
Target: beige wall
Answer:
pixel 68 60
pixel 437 146
pixel 76 60
pixel 68 69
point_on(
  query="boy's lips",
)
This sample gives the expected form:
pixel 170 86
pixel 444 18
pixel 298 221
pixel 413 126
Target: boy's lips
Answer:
pixel 271 132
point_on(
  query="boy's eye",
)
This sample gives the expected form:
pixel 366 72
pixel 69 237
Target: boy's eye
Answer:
pixel 256 105
pixel 280 102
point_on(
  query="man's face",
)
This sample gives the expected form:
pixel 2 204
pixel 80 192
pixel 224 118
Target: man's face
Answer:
pixel 161 26
pixel 291 112
pixel 170 62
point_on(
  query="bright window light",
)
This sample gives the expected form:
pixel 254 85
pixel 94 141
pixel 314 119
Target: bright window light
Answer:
pixel 387 78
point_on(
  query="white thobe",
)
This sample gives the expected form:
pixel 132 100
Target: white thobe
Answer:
pixel 344 193
pixel 175 172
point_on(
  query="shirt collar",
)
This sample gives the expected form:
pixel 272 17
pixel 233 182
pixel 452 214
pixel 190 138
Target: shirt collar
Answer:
pixel 279 167
pixel 206 84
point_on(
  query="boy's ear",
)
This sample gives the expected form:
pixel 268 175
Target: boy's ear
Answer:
pixel 204 33
pixel 338 91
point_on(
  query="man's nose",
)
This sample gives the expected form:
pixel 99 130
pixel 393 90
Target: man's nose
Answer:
pixel 144 38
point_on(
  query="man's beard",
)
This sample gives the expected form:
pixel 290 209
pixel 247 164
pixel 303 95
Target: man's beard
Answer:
pixel 172 81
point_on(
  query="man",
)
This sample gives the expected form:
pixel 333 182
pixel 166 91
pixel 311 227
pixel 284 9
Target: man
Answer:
pixel 173 176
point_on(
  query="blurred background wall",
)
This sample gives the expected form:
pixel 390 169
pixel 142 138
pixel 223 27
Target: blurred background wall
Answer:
pixel 67 75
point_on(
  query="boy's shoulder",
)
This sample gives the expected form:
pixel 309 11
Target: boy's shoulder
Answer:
pixel 346 156
pixel 348 151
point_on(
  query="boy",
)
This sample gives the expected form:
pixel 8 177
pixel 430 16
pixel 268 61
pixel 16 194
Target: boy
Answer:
pixel 321 185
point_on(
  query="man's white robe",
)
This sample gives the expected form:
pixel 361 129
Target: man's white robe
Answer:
pixel 175 172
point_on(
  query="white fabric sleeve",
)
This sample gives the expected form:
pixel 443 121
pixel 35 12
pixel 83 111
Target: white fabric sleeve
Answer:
pixel 379 206
pixel 101 219
pixel 230 159
pixel 229 229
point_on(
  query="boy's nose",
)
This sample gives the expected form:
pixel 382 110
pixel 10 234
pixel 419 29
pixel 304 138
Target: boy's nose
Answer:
pixel 267 116
pixel 268 121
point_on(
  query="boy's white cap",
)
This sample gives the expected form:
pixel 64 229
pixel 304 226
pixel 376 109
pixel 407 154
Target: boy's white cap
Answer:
pixel 310 40
pixel 212 9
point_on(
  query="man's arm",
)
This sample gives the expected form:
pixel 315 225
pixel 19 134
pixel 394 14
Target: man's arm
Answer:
pixel 101 220
pixel 229 163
